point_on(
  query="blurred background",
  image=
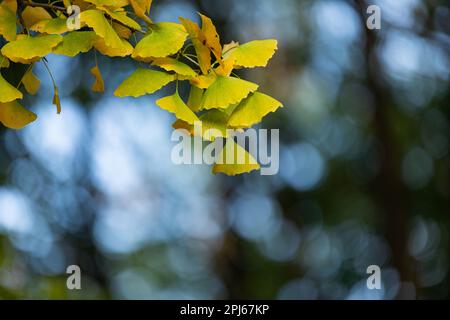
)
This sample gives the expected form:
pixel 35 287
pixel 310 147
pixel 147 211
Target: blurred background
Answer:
pixel 364 169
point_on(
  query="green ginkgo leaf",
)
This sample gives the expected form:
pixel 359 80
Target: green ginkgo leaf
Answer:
pixel 15 116
pixel 163 39
pixel 8 92
pixel 253 54
pixel 102 27
pixel 226 91
pixel 8 28
pixel 252 110
pixel 76 42
pixel 125 50
pixel 170 64
pixel 143 81
pixel 29 48
pixel 176 105
pixel 233 160
pixel 195 98
pixel 51 26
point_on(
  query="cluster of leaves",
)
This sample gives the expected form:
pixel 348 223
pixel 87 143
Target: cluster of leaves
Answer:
pixel 167 52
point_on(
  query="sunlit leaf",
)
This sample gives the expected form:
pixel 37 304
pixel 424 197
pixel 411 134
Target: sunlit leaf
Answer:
pixel 76 42
pixel 126 48
pixel 143 81
pixel 8 28
pixel 102 27
pixel 252 110
pixel 162 40
pixel 122 17
pixel 212 39
pixel 176 105
pixel 99 84
pixel 226 91
pixel 203 81
pixel 8 92
pixel 15 116
pixel 235 160
pixel 198 39
pixel 142 8
pixel 51 26
pixel 29 48
pixel 170 64
pixel 31 82
pixel 253 54
pixel 32 15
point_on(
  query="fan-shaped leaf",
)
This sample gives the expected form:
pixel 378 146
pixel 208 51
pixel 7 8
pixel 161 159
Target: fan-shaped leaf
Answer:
pixel 51 26
pixel 252 109
pixel 176 105
pixel 170 64
pixel 226 91
pixel 164 39
pixel 31 82
pixel 8 28
pixel 143 81
pixel 8 92
pixel 235 160
pixel 32 15
pixel 15 116
pixel 253 54
pixel 75 42
pixel 30 48
pixel 97 21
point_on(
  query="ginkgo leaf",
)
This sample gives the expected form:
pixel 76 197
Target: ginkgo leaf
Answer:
pixel 76 42
pixel 143 81
pixel 30 48
pixel 253 54
pixel 213 125
pixel 212 39
pixel 229 46
pixel 198 38
pixel 226 67
pixel 8 28
pixel 195 98
pixel 141 7
pixel 252 110
pixel 226 91
pixel 203 81
pixel 163 39
pixel 122 17
pixel 56 100
pixel 176 105
pixel 170 64
pixel 31 82
pixel 32 15
pixel 15 116
pixel 99 84
pixel 122 31
pixel 8 92
pixel 101 26
pixel 51 26
pixel 233 160
pixel 125 50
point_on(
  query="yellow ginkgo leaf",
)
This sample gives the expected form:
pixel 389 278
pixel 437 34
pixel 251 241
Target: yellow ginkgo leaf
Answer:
pixel 51 26
pixel 233 160
pixel 226 67
pixel 99 84
pixel 76 42
pixel 253 54
pixel 211 36
pixel 15 116
pixel 176 105
pixel 8 28
pixel 101 26
pixel 203 81
pixel 142 8
pixel 125 50
pixel 122 17
pixel 57 100
pixel 122 31
pixel 170 64
pixel 226 91
pixel 8 92
pixel 31 82
pixel 143 81
pixel 213 125
pixel 229 46
pixel 32 15
pixel 252 110
pixel 198 39
pixel 30 48
pixel 195 98
pixel 163 39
